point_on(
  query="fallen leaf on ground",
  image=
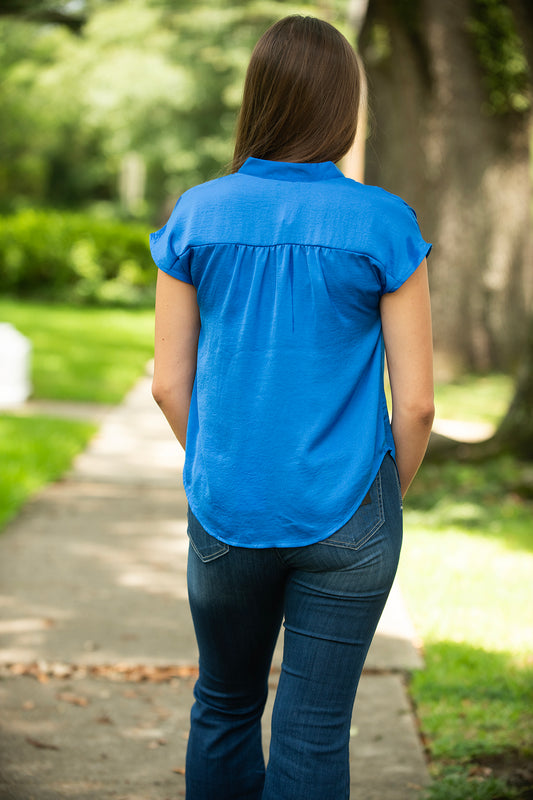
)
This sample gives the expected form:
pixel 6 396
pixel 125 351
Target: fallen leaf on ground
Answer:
pixel 157 743
pixel 41 745
pixel 133 673
pixel 73 699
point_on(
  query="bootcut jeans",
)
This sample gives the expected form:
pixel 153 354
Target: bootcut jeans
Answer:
pixel 330 596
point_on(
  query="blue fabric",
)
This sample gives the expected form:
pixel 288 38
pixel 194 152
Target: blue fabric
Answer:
pixel 331 595
pixel 288 423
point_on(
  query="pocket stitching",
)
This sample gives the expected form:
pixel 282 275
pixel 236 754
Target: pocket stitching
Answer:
pixel 368 535
pixel 224 548
pixel 221 548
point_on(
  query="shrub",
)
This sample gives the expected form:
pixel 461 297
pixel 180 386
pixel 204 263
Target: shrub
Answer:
pixel 75 258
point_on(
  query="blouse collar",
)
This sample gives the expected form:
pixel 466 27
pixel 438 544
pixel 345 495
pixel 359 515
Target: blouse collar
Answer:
pixel 290 171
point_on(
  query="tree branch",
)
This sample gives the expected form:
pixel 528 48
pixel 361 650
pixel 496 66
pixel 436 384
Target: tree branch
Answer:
pixel 43 13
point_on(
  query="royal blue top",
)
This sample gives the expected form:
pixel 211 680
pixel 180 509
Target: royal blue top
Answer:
pixel 288 423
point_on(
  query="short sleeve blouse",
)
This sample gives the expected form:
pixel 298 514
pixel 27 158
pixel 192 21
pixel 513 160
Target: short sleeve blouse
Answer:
pixel 288 423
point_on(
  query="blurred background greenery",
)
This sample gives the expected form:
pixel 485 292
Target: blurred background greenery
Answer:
pixel 130 110
pixel 111 109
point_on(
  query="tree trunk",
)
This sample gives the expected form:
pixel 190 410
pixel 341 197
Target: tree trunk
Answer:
pixel 464 170
pixel 515 433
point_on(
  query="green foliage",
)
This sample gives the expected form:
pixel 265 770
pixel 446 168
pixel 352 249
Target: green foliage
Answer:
pixel 75 258
pixel 155 78
pixel 501 55
pixel 474 398
pixel 379 47
pixel 492 486
pixel 55 12
pixel 458 784
pixel 466 575
pixel 80 354
pixel 474 702
pixel 85 354
pixel 33 452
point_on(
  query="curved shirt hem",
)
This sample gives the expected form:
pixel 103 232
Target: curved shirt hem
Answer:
pixel 281 544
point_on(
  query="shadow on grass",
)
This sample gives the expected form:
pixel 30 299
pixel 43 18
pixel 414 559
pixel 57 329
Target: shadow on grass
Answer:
pixel 476 714
pixel 492 498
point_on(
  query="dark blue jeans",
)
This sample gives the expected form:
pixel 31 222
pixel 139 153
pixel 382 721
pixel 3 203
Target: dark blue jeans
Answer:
pixel 331 596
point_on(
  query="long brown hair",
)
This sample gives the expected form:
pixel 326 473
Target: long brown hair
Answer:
pixel 301 95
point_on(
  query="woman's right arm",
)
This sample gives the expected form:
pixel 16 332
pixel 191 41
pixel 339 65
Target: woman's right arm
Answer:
pixel 406 322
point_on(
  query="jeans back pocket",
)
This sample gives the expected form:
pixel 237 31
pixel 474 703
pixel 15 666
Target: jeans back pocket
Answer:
pixel 368 519
pixel 206 547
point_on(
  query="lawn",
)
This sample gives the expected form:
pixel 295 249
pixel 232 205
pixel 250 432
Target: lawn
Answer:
pixel 33 452
pixel 79 354
pixel 474 398
pixel 466 574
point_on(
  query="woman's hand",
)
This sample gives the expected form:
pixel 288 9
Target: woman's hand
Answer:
pixel 177 327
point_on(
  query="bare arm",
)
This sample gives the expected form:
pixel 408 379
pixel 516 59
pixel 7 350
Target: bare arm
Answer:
pixel 177 327
pixel 406 321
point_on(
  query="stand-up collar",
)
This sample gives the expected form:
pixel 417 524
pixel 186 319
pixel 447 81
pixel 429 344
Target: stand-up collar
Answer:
pixel 289 171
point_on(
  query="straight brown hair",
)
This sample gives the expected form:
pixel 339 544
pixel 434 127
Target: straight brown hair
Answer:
pixel 301 95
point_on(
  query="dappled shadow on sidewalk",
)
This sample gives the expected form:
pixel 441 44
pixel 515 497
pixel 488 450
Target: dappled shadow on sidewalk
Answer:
pixel 96 573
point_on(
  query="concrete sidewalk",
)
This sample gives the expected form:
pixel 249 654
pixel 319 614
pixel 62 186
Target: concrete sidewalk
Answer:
pixel 99 657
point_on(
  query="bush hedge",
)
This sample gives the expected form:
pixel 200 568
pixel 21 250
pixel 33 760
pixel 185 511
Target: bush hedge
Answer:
pixel 75 258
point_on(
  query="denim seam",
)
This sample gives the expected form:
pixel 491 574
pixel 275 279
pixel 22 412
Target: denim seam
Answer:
pixel 398 484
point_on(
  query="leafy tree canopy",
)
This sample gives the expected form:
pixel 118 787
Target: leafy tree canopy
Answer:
pixel 160 79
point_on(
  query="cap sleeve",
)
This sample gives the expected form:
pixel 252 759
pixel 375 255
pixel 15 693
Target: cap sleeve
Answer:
pixel 169 250
pixel 403 248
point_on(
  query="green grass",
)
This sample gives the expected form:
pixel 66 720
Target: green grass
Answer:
pixel 33 452
pixel 79 354
pixel 474 398
pixel 455 786
pixel 83 354
pixel 466 573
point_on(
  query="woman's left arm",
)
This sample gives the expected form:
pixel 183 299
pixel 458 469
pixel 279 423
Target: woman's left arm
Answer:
pixel 177 327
